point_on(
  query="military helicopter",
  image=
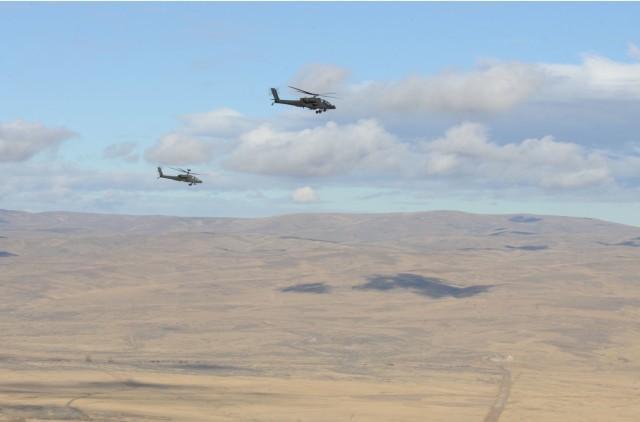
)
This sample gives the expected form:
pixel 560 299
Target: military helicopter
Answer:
pixel 187 176
pixel 314 102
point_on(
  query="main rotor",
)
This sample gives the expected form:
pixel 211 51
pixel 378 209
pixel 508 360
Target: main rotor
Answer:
pixel 187 171
pixel 326 94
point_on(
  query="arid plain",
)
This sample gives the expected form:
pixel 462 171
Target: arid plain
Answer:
pixel 436 316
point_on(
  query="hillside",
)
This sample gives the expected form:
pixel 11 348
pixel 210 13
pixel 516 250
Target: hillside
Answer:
pixel 312 317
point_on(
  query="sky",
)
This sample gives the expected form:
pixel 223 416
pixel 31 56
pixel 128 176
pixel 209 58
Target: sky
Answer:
pixel 490 108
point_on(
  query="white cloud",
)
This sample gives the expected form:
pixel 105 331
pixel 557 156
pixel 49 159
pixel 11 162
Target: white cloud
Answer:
pixel 322 151
pixel 20 141
pixel 219 123
pixel 305 195
pixel 596 77
pixel 465 153
pixel 494 87
pixel 199 137
pixel 180 149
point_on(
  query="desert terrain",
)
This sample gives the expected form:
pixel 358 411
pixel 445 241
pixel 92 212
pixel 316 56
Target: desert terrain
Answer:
pixel 435 316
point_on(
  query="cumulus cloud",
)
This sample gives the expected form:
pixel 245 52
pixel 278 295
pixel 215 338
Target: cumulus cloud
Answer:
pixel 465 152
pixel 220 122
pixel 178 148
pixel 492 88
pixel 20 141
pixel 322 151
pixel 305 195
pixel 596 77
pixel 200 135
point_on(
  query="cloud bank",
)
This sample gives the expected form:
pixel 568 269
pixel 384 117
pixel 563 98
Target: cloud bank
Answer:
pixel 492 88
pixel 596 77
pixel 20 141
pixel 322 151
pixel 360 145
pixel 465 152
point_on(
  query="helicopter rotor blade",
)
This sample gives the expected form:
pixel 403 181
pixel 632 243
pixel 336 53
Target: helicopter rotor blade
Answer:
pixel 302 90
pixel 326 94
pixel 187 171
pixel 179 169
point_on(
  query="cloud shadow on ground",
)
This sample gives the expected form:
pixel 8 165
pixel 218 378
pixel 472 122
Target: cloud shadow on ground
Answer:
pixel 317 288
pixel 524 219
pixel 528 247
pixel 426 286
pixel 632 243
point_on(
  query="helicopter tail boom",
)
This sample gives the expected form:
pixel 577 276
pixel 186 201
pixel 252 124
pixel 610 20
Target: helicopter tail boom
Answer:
pixel 160 172
pixel 276 98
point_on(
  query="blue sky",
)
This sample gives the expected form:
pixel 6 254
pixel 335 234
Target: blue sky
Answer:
pixel 479 107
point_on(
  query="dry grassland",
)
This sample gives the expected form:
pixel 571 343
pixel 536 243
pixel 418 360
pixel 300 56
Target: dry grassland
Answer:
pixel 407 317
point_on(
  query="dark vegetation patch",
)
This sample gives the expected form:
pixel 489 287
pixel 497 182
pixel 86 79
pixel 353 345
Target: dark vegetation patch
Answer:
pixel 499 232
pixel 129 383
pixel 308 239
pixel 519 233
pixel 62 230
pixel 631 243
pixel 191 366
pixel 479 249
pixel 426 286
pixel 207 367
pixel 528 247
pixel 4 254
pixel 524 219
pixel 317 288
pixel 20 412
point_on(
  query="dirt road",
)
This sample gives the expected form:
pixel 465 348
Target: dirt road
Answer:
pixel 503 394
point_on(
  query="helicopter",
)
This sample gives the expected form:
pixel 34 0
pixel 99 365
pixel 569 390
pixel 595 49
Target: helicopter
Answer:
pixel 187 176
pixel 314 102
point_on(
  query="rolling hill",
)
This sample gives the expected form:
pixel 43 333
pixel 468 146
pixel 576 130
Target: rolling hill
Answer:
pixel 440 316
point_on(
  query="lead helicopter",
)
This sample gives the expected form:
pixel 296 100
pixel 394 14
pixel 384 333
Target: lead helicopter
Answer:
pixel 314 102
pixel 186 176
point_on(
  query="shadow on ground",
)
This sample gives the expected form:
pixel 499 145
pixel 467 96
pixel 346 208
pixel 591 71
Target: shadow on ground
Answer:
pixel 307 288
pixel 425 286
pixel 528 247
pixel 524 219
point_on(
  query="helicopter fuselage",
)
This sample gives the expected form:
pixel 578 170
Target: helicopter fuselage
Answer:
pixel 186 177
pixel 320 105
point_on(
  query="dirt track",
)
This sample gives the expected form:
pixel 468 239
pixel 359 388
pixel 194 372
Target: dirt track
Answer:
pixel 503 394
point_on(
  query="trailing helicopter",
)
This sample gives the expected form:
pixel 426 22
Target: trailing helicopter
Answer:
pixel 314 102
pixel 186 176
